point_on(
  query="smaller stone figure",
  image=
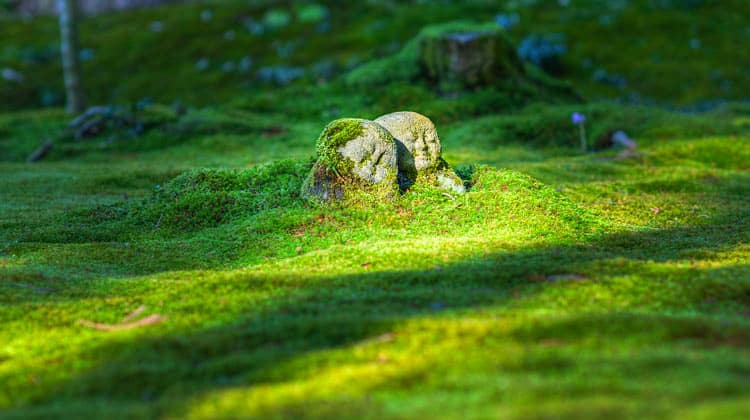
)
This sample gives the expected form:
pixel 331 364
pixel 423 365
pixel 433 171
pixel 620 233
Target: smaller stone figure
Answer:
pixel 419 150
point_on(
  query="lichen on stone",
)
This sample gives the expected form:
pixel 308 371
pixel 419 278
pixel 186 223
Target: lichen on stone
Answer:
pixel 418 136
pixel 333 136
pixel 353 154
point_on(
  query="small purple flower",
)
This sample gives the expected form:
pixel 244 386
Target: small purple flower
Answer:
pixel 578 119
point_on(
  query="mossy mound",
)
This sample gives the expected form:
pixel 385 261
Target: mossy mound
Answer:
pixel 205 199
pixel 208 197
pixel 527 201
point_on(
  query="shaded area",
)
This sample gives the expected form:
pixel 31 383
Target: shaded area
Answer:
pixel 317 315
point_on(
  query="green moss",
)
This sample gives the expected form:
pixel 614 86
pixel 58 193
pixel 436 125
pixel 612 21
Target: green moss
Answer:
pixel 336 134
pixel 23 132
pixel 405 66
pixel 445 178
pixel 590 286
pixel 323 187
pixel 550 126
pixel 160 65
pixel 204 198
pixel 401 67
pixel 331 176
pixel 489 45
pixel 505 81
pixel 272 308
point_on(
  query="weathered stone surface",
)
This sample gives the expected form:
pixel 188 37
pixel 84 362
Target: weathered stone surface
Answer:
pixel 373 153
pixel 448 180
pixel 352 153
pixel 419 150
pixel 416 138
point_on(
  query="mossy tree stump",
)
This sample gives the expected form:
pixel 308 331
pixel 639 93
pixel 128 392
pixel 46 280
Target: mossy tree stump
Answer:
pixel 461 56
pixel 469 59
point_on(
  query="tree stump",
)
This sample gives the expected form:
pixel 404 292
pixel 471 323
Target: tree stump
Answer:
pixel 469 59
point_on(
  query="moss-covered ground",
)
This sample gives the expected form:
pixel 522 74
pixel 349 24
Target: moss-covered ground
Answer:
pixel 562 285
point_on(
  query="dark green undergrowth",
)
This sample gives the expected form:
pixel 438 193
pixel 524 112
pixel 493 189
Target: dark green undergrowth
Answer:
pixel 550 126
pixel 515 82
pixel 232 130
pixel 613 49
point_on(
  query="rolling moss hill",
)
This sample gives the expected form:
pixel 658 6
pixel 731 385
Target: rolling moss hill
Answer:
pixel 563 284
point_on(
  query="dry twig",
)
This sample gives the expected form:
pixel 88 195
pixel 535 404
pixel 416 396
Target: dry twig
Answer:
pixel 127 322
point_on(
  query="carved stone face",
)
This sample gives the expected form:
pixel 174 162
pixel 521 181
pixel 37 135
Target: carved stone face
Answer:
pixel 426 147
pixel 419 144
pixel 373 153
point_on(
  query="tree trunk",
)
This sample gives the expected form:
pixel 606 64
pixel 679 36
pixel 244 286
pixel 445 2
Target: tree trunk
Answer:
pixel 68 12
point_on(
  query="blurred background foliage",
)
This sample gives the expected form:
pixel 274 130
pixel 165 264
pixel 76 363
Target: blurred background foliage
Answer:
pixel 201 53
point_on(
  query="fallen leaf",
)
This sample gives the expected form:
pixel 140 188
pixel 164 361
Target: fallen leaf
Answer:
pixel 149 320
pixel 560 277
